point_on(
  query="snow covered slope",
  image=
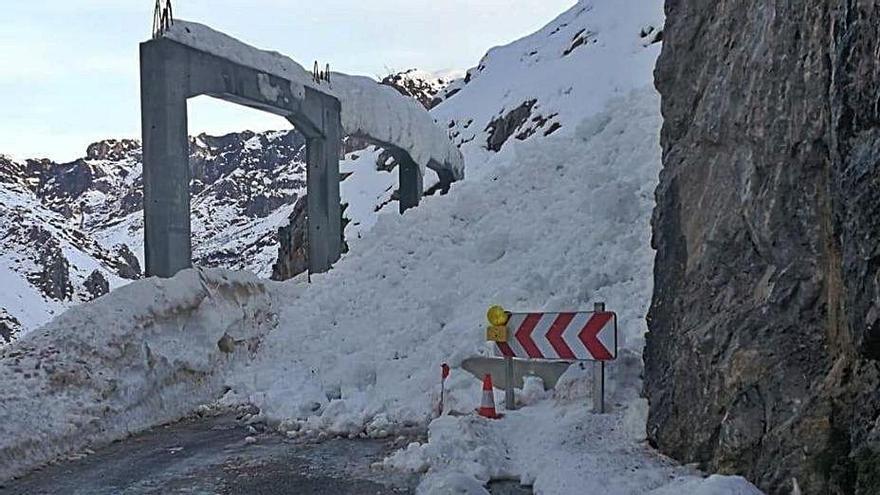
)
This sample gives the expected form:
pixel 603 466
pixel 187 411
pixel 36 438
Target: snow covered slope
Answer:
pixel 47 262
pixel 545 83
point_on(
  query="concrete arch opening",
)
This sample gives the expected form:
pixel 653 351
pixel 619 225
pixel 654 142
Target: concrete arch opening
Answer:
pixel 173 71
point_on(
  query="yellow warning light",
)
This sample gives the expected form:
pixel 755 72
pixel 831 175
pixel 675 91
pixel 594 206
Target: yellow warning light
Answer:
pixel 497 316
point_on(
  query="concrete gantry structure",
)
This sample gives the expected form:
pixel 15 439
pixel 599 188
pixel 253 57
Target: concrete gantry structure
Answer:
pixel 171 73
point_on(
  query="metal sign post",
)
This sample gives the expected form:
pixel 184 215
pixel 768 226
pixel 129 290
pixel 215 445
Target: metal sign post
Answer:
pixel 509 398
pixel 599 375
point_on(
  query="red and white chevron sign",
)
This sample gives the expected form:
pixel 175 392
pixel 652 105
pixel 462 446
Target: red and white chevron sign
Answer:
pixel 587 336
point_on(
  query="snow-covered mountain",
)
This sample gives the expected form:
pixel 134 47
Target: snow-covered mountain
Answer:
pixel 425 87
pixel 74 231
pixel 544 84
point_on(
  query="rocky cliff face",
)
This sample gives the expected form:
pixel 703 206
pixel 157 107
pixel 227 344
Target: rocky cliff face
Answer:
pixel 762 356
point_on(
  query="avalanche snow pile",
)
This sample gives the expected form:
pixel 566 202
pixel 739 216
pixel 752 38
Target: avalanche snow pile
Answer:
pixel 563 222
pixel 368 108
pixel 145 354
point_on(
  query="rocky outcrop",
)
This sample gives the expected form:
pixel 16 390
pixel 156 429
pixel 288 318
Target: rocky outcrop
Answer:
pixel 113 150
pixel 503 127
pixel 129 268
pixel 518 122
pixel 421 86
pixel 96 285
pixel 293 242
pixel 53 274
pixel 293 249
pixel 762 354
pixel 9 327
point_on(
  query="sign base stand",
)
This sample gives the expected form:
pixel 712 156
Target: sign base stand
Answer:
pixel 599 387
pixel 509 397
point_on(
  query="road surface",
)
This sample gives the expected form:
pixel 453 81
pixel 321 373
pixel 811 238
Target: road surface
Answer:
pixel 212 456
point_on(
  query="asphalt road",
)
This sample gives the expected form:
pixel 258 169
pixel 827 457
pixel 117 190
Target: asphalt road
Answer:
pixel 211 456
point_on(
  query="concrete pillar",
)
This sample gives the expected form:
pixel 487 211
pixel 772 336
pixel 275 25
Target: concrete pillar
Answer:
pixel 167 227
pixel 410 178
pixel 324 208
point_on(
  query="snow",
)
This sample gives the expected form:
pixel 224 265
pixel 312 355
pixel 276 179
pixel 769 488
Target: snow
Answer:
pixel 555 447
pixel 522 237
pixel 613 61
pixel 368 108
pixel 365 190
pixel 145 354
pixel 320 358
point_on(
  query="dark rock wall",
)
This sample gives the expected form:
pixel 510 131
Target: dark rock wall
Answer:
pixel 293 247
pixel 762 355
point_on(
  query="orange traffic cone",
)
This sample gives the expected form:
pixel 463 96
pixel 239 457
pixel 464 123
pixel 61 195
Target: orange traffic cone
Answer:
pixel 487 407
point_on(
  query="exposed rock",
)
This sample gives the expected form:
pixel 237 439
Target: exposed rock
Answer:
pixel 113 149
pixel 9 327
pixel 762 355
pixel 580 39
pixel 505 126
pixel 130 268
pixel 420 86
pixel 96 285
pixel 293 242
pixel 293 249
pixel 651 35
pixel 53 277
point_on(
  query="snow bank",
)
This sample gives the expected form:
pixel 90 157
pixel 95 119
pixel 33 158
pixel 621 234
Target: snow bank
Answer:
pixel 368 108
pixel 557 447
pixel 145 354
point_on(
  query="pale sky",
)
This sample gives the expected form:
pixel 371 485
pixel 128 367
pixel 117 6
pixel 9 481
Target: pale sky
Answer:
pixel 69 68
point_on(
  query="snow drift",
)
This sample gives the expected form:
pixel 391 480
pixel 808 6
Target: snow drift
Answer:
pixel 147 353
